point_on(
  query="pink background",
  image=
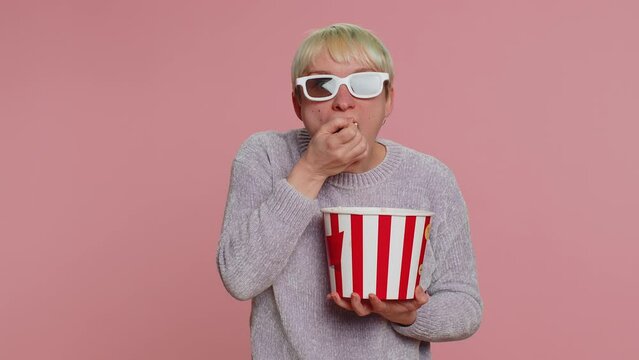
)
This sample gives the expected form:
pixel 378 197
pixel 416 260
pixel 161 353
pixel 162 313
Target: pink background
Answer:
pixel 119 121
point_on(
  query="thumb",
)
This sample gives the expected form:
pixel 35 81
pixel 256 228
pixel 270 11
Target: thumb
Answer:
pixel 420 295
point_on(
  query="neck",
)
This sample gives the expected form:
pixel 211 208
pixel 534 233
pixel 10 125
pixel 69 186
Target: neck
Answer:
pixel 375 157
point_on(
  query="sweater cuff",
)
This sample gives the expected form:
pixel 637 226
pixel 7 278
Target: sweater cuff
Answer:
pixel 409 331
pixel 290 206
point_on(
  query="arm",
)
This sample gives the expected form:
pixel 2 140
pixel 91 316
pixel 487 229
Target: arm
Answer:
pixel 454 309
pixel 263 220
pixel 266 215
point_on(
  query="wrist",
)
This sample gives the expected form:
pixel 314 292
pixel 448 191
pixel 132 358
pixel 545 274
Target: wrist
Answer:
pixel 309 171
pixel 406 321
pixel 305 180
pixel 403 325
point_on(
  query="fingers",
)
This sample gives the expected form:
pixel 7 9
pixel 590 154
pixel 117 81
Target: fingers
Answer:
pixel 336 124
pixel 338 145
pixel 377 305
pixel 359 148
pixel 392 306
pixel 385 307
pixel 359 307
pixel 401 312
pixel 356 305
pixel 356 148
pixel 347 133
pixel 349 144
pixel 339 301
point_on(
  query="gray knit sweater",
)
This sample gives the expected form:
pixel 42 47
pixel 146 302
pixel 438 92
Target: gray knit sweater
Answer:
pixel 272 252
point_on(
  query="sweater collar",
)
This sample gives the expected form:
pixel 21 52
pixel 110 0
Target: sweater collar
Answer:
pixel 393 158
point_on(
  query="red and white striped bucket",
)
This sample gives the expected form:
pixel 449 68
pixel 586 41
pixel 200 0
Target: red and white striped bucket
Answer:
pixel 375 250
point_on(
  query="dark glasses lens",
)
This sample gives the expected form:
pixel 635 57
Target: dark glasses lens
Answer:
pixel 321 87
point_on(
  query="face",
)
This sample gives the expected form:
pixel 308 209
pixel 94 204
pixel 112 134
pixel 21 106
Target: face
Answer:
pixel 368 113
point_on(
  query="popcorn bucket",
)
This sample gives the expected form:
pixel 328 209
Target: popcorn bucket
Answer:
pixel 375 250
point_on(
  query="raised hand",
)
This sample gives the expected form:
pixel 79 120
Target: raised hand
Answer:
pixel 333 148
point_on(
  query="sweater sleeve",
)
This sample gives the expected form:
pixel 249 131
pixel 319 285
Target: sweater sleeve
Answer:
pixel 454 310
pixel 263 220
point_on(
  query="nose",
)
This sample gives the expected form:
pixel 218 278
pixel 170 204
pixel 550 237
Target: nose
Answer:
pixel 343 100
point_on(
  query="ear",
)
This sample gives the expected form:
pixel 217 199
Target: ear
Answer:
pixel 296 105
pixel 388 109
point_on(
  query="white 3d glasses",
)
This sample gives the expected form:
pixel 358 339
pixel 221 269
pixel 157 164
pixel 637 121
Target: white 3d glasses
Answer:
pixel 322 87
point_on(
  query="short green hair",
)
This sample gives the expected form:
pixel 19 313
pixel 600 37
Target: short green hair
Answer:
pixel 344 43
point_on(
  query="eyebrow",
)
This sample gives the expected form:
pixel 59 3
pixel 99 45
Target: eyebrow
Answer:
pixel 326 72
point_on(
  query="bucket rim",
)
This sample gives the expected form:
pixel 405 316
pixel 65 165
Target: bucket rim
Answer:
pixel 375 211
